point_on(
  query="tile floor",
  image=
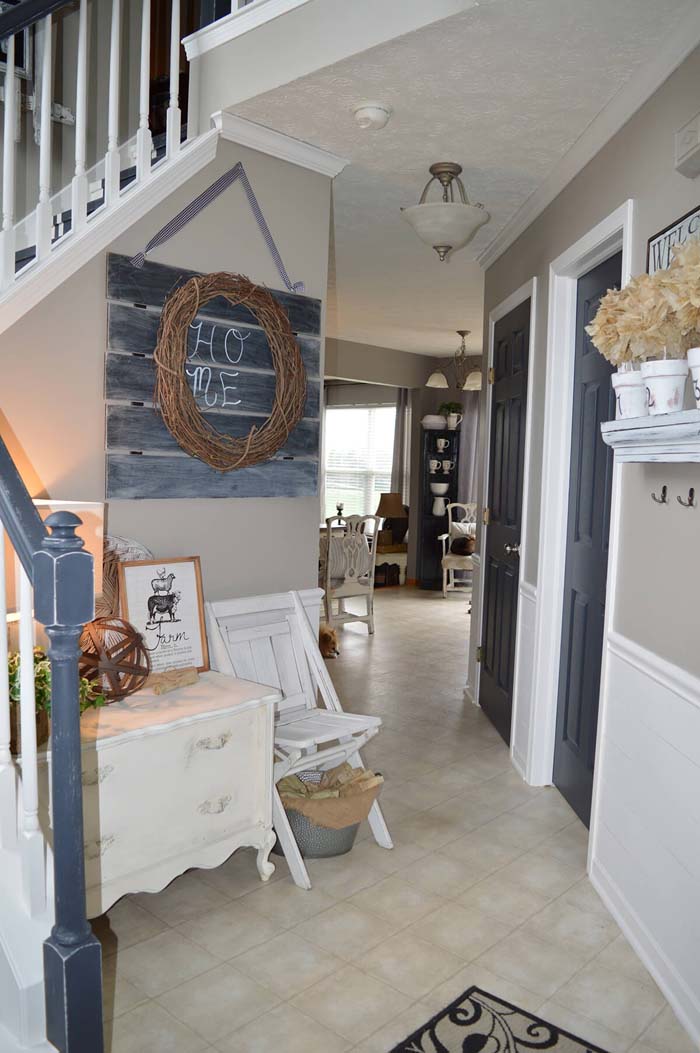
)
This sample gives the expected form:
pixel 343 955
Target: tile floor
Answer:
pixel 486 884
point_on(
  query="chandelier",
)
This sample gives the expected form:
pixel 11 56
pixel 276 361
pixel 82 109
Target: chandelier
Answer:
pixel 446 225
pixel 466 378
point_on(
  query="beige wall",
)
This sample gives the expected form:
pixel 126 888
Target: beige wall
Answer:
pixel 377 365
pixel 52 398
pixel 637 163
pixel 339 394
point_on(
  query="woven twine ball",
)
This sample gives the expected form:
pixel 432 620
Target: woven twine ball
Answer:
pixel 114 657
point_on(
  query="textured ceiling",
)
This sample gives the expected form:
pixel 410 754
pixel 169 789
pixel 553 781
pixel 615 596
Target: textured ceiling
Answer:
pixel 505 89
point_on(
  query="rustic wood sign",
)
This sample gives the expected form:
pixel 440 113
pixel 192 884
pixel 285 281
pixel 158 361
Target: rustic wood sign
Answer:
pixel 230 372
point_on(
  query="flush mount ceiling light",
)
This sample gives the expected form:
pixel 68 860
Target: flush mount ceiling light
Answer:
pixel 446 225
pixel 372 115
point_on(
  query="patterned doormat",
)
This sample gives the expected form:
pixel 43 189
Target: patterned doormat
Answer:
pixel 478 1022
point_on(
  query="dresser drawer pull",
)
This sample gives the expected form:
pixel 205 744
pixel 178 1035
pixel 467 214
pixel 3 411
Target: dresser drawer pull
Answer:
pixel 215 807
pixel 216 742
pixel 97 775
pixel 96 849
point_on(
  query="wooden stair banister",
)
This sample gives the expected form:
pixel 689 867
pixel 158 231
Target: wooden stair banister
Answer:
pixel 21 16
pixel 61 574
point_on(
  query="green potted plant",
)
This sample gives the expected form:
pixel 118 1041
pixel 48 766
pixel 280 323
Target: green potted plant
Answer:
pixel 89 698
pixel 452 411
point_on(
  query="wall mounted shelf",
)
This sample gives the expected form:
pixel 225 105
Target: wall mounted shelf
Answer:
pixel 668 438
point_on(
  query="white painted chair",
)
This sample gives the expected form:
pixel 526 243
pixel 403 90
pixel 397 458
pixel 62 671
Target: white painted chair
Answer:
pixel 270 639
pixel 347 567
pixel 462 526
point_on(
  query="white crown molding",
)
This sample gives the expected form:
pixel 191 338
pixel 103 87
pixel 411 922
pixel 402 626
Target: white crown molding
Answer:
pixel 276 144
pixel 67 257
pixel 236 24
pixel 630 98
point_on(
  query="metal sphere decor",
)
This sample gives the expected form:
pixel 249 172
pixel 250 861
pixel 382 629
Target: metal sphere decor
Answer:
pixel 114 657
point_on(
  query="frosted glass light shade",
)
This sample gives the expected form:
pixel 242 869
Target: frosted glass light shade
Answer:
pixel 445 225
pixel 473 381
pixel 437 380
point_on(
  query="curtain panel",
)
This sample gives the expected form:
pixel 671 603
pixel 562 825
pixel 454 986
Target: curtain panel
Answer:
pixel 401 460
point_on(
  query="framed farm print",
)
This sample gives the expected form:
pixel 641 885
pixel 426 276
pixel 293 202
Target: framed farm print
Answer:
pixel 163 600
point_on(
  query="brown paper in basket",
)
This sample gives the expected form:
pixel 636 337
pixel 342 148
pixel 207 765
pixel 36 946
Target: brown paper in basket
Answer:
pixel 334 813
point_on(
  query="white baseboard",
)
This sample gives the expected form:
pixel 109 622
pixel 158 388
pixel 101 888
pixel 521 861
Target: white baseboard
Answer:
pixel 684 1002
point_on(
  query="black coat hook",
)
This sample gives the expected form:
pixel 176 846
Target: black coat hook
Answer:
pixel 691 499
pixel 663 500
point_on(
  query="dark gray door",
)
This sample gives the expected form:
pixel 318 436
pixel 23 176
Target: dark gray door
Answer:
pixel 586 570
pixel 502 552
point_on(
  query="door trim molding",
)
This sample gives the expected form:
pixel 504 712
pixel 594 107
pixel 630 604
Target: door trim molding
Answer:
pixel 527 291
pixel 612 234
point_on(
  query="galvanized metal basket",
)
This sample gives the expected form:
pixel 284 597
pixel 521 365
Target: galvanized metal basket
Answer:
pixel 317 842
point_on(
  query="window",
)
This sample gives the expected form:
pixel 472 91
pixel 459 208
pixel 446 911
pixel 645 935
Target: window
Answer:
pixel 359 443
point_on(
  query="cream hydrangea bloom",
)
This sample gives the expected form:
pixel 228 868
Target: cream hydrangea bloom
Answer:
pixel 635 323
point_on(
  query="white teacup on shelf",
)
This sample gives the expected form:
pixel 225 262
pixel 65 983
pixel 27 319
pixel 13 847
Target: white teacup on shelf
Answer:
pixel 447 466
pixel 442 445
pixel 435 466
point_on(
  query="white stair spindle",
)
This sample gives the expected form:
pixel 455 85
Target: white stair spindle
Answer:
pixel 174 117
pixel 7 236
pixel 144 141
pixel 193 99
pixel 32 841
pixel 8 781
pixel 79 188
pixel 44 219
pixel 112 157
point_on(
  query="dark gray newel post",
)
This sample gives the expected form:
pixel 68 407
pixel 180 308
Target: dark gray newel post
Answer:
pixel 63 602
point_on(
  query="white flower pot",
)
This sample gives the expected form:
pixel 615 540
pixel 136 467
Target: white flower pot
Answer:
pixel 630 394
pixel 694 363
pixel 665 384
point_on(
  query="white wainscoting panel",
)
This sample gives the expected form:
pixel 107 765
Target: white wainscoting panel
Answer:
pixel 524 672
pixel 645 837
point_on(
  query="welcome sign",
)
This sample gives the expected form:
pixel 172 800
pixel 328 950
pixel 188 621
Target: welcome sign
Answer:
pixel 659 246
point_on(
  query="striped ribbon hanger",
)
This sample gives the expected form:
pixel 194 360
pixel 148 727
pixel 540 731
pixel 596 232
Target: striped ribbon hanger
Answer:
pixel 190 211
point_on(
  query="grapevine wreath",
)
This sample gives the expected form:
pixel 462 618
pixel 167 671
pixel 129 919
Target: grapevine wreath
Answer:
pixel 175 398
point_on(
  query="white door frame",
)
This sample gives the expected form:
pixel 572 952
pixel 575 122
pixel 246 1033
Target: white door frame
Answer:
pixel 528 291
pixel 606 238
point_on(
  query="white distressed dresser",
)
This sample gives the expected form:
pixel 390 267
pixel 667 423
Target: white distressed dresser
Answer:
pixel 174 781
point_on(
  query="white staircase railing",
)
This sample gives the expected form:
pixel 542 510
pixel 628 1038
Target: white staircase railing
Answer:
pixel 60 215
pixel 19 780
